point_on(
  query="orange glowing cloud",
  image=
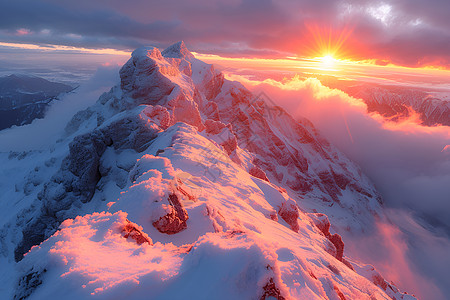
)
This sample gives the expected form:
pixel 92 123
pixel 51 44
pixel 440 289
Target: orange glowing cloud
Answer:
pixel 64 48
pixel 23 31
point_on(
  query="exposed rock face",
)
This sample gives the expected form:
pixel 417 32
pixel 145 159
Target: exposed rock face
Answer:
pixel 321 221
pixel 77 179
pixel 257 172
pixel 339 293
pixel 323 224
pixel 289 213
pixel 339 244
pixel 175 220
pixel 271 291
pixel 131 230
pixel 178 50
pixel 28 283
pixel 143 77
pixel 222 134
pixel 159 115
pixel 149 78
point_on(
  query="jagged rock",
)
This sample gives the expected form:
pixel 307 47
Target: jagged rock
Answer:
pixel 339 244
pixel 398 103
pixel 222 134
pixel 135 232
pixel 258 173
pixel 79 175
pixel 184 109
pixel 178 50
pixel 339 293
pixel 289 213
pixel 271 291
pixel 28 283
pixel 379 281
pixel 323 224
pixel 145 76
pixel 214 127
pixel 159 115
pixel 175 220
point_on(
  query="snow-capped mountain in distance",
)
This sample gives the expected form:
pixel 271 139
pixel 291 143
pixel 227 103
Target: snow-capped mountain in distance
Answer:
pixel 24 98
pixel 179 184
pixel 397 102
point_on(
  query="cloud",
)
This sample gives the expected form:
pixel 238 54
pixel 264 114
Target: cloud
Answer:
pixel 43 132
pixel 397 252
pixel 412 33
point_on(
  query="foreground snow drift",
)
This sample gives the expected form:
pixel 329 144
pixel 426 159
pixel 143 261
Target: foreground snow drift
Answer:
pixel 236 243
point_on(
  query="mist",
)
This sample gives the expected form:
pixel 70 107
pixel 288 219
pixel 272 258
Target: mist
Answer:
pixel 43 132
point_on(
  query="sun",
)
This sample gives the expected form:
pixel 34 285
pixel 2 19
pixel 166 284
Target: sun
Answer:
pixel 329 45
pixel 327 61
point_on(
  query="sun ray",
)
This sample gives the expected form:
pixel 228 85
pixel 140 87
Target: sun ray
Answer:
pixel 328 42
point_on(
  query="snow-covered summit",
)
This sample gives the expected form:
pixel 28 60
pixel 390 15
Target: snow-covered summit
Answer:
pixel 180 184
pixel 178 50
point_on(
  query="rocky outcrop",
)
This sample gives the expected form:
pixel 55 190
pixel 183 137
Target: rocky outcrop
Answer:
pixel 271 291
pixel 289 213
pixel 222 134
pixel 175 220
pixel 133 231
pixel 323 224
pixel 28 283
pixel 76 181
pixel 258 173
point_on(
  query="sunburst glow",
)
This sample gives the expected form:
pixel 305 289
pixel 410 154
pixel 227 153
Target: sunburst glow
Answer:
pixel 328 61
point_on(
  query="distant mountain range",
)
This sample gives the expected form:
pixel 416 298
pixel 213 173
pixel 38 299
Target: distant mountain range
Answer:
pixel 24 98
pixel 397 102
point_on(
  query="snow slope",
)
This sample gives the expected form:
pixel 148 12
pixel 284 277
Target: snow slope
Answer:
pixel 180 184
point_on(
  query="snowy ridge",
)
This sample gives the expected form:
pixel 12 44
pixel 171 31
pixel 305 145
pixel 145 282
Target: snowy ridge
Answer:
pixel 396 102
pixel 180 184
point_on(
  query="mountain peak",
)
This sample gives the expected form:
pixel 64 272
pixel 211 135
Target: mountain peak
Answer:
pixel 146 51
pixel 178 50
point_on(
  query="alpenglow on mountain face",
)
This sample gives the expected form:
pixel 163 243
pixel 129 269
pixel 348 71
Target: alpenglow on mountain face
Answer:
pixel 180 184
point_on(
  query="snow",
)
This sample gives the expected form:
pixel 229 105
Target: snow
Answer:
pixel 153 160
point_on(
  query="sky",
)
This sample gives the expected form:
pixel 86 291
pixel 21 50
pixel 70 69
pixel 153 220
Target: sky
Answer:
pixel 412 33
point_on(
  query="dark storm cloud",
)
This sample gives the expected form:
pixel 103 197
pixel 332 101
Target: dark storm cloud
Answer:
pixel 408 32
pixel 38 16
pixel 61 25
